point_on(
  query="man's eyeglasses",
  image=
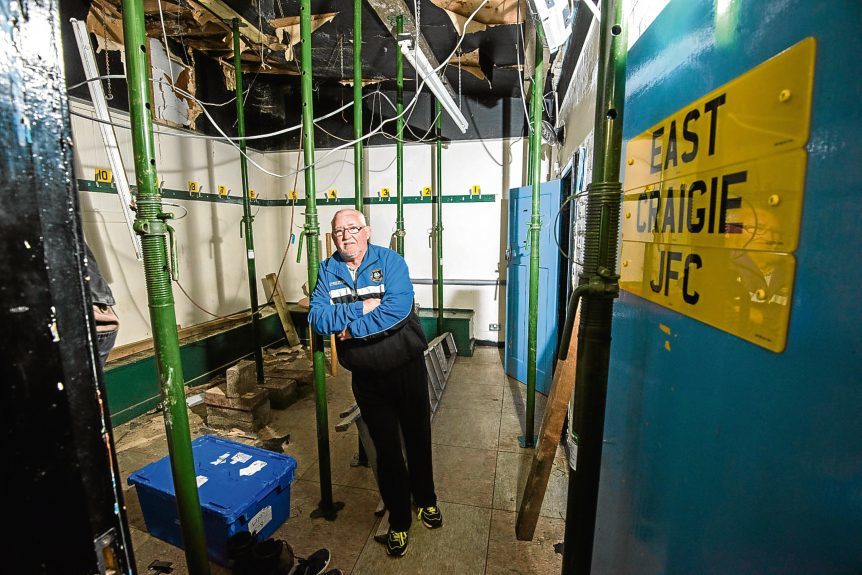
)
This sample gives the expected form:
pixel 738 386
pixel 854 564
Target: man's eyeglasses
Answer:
pixel 342 232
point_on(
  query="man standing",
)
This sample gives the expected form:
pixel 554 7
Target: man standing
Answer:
pixel 364 296
pixel 107 323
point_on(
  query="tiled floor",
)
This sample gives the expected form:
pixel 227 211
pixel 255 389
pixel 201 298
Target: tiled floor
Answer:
pixel 479 470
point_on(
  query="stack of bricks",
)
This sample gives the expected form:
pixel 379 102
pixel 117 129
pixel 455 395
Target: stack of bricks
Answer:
pixel 239 403
pixel 283 384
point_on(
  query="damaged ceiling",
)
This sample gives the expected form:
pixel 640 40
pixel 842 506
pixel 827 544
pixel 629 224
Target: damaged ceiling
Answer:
pixel 270 33
pixel 199 35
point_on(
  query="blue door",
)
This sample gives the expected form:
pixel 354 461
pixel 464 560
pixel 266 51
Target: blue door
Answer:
pixel 518 282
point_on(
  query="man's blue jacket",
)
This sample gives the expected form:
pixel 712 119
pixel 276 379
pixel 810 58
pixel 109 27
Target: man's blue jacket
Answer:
pixel 385 336
pixel 337 300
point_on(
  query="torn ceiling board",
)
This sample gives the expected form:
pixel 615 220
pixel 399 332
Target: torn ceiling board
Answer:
pixel 349 82
pixel 458 22
pixel 494 12
pixel 288 34
pixel 168 105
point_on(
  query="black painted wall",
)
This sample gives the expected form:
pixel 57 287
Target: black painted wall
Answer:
pixel 61 483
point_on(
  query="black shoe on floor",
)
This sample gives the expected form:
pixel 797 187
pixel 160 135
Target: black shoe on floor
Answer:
pixel 431 517
pixel 272 557
pixel 239 547
pixel 396 543
pixel 314 564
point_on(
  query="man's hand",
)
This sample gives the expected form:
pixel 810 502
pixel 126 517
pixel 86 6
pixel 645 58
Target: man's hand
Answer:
pixel 344 335
pixel 369 305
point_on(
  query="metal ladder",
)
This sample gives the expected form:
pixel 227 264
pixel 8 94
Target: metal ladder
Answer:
pixel 439 358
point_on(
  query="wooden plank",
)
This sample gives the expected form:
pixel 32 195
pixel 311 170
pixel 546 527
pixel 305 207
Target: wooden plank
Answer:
pixel 333 353
pixel 225 12
pixel 273 291
pixel 184 333
pixel 549 438
pixel 128 349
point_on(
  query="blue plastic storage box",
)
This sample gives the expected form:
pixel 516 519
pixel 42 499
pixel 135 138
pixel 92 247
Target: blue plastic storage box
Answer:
pixel 241 488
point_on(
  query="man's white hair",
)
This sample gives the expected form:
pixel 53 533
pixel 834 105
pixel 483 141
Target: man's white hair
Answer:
pixel 350 211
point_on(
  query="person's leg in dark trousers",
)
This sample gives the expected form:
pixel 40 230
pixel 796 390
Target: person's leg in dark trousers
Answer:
pixel 415 416
pixel 105 343
pixel 378 398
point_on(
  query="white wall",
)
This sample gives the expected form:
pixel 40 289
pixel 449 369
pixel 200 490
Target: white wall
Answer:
pixel 212 253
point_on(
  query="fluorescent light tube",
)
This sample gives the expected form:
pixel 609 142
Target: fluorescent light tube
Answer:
pixel 426 71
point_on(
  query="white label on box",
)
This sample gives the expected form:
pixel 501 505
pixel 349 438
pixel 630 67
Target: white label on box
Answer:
pixel 240 457
pixel 253 468
pixel 221 458
pixel 260 519
pixel 202 479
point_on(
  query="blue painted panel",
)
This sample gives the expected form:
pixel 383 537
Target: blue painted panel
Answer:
pixel 721 456
pixel 518 283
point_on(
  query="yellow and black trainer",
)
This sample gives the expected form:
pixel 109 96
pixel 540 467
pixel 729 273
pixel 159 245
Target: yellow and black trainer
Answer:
pixel 396 543
pixel 431 517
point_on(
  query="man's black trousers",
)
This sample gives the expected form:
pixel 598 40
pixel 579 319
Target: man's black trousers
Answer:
pixel 392 404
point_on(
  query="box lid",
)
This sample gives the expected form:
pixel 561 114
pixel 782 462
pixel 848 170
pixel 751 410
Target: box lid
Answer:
pixel 231 476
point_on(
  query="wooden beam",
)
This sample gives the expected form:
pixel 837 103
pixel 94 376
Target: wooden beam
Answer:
pixel 184 333
pixel 273 292
pixel 549 438
pixel 387 11
pixel 333 356
pixel 225 12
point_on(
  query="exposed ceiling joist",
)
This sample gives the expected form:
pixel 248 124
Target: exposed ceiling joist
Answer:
pixel 387 11
pixel 227 13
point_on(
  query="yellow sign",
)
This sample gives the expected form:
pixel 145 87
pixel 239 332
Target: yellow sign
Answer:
pixel 713 201
pixel 384 192
pixel 331 194
pixel 104 176
pixel 765 111
pixel 752 205
pixel 222 191
pixel 252 195
pixel 746 293
pixel 475 190
pixel 426 192
pixel 193 188
pixel 292 195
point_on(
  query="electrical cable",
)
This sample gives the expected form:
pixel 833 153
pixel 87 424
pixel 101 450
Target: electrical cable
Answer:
pixel 197 305
pixel 416 140
pixel 461 38
pixel 569 257
pixel 520 74
pixel 292 212
pixel 202 103
pixel 183 208
pixel 410 105
pixel 446 61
